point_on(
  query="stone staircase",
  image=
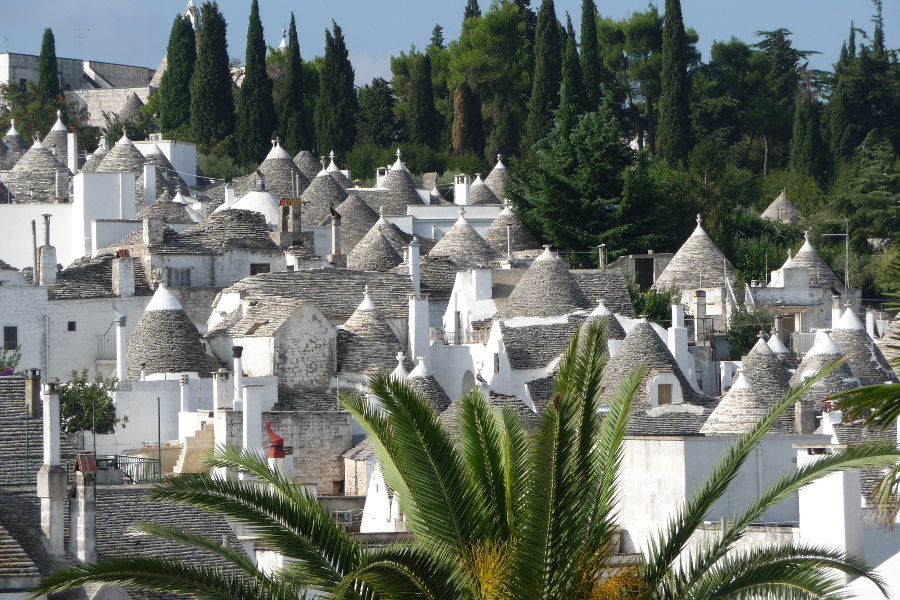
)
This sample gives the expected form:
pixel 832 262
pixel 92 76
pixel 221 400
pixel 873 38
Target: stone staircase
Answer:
pixel 195 448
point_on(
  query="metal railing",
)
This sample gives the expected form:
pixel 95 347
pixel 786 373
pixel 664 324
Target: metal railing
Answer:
pixel 138 469
pixel 459 337
pixel 106 346
pixel 802 342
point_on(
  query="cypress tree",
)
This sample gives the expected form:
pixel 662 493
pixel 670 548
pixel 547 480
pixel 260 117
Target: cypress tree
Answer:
pixel 336 107
pixel 437 37
pixel 806 144
pixel 503 135
pixel 422 121
pixel 175 86
pixel 212 104
pixel 294 128
pixel 839 127
pixel 468 124
pixel 547 74
pixel 573 80
pixel 256 113
pixel 591 66
pixel 48 78
pixel 375 122
pixel 674 128
pixel 472 10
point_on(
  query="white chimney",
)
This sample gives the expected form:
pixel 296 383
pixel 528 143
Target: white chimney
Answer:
pixel 51 481
pixel 237 400
pixel 870 322
pixel 83 510
pixel 120 346
pixel 229 195
pixel 252 421
pixel 149 184
pixel 461 189
pixel 72 142
pixel 123 276
pixel 415 266
pixel 419 327
pixel 222 390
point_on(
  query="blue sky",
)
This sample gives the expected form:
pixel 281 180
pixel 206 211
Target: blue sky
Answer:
pixel 136 31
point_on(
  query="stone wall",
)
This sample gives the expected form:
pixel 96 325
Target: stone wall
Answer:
pixel 98 101
pixel 306 349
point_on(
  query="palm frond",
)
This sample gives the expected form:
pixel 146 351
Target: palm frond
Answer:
pixel 404 572
pixel 516 457
pixel 186 538
pixel 874 404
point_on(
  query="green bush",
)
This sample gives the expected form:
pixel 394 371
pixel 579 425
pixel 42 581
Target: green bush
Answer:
pixel 87 406
pixel 365 158
pixel 744 330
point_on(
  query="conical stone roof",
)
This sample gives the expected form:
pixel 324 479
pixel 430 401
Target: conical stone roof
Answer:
pixel 322 194
pixel 172 213
pixel 865 358
pixel 122 158
pixel 496 179
pixel 520 236
pixel 398 238
pixel 166 170
pixel 768 375
pixel 167 340
pixel 14 139
pixel 357 218
pixel 546 289
pixel 96 158
pixel 423 382
pixel 366 343
pixel 479 193
pixel 57 139
pixel 739 411
pixel 840 379
pixel 373 253
pixel 131 109
pixel 34 178
pixel 820 274
pixel 782 209
pixel 698 264
pixel 280 172
pixel 336 174
pixel 403 190
pixel 463 245
pixel 307 163
pixel 435 195
pixel 8 158
pixel 614 329
pixel 781 352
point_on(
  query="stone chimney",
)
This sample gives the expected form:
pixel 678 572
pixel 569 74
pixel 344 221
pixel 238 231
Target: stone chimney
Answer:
pixel 337 258
pixel 72 143
pixel 277 458
pixel 229 194
pixel 121 372
pixel 461 189
pixel 835 307
pixel 805 417
pixel 83 510
pixel 415 265
pixel 153 231
pixel 123 276
pixel 700 325
pixel 237 399
pixel 252 422
pixel 222 391
pixel 51 479
pixel 33 393
pixel 47 257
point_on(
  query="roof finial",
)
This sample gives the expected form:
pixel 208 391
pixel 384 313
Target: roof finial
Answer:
pixel 462 211
pixel 398 153
pixel 806 235
pixel 58 114
pixel 499 157
pixel 790 253
pixel 331 155
pixel 699 220
pixel 381 211
pixel 761 335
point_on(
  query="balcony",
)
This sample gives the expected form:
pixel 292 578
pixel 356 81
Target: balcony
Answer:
pixel 456 338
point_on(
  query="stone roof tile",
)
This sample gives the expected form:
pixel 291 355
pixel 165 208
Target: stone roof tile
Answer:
pixel 698 264
pixel 546 289
pixel 519 235
pixel 464 246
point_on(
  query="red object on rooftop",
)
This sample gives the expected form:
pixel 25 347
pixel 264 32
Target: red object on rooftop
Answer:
pixel 276 446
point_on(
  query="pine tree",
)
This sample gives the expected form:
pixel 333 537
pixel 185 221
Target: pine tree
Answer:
pixel 294 123
pixel 591 66
pixel 48 78
pixel 256 113
pixel 573 80
pixel 336 106
pixel 212 104
pixel 547 74
pixel 468 125
pixel 423 126
pixel 806 145
pixel 472 10
pixel 175 86
pixel 674 126
pixel 503 135
pixel 437 37
pixel 375 122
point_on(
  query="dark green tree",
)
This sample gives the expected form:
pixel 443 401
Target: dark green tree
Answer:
pixel 674 129
pixel 336 106
pixel 547 74
pixel 468 125
pixel 212 103
pixel 472 10
pixel 503 138
pixel 422 122
pixel 784 60
pixel 591 66
pixel 807 145
pixel 375 122
pixel 437 37
pixel 175 86
pixel 295 128
pixel 48 77
pixel 573 78
pixel 256 112
pixel 839 126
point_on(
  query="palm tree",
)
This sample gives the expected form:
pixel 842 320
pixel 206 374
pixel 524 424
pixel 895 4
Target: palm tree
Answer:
pixel 498 512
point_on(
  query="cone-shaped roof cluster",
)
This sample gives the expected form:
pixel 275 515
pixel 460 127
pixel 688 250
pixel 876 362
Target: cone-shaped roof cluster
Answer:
pixel 281 173
pixel 366 342
pixel 171 212
pixel 166 171
pixel 698 264
pixel 34 179
pixel 322 194
pixel 840 379
pixel 820 274
pixel 614 329
pixel 739 411
pixel 479 193
pixel 357 218
pixel 167 341
pixel 373 253
pixel 496 179
pixel 463 245
pixel 768 375
pixel 8 158
pixel 423 382
pixel 14 139
pixel 57 139
pixel 546 289
pixel 782 209
pixel 520 236
pixel 403 189
pixel 865 358
pixel 95 159
pixel 307 163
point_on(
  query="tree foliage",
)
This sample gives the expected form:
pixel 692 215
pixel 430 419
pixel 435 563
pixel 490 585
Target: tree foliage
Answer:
pixel 674 134
pixel 294 121
pixel 86 405
pixel 256 111
pixel 48 76
pixel 422 120
pixel 336 106
pixel 212 103
pixel 375 122
pixel 175 85
pixel 547 74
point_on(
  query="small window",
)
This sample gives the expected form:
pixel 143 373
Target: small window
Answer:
pixel 71 325
pixel 290 267
pixel 257 268
pixel 10 338
pixel 664 394
pixel 179 277
pixel 496 362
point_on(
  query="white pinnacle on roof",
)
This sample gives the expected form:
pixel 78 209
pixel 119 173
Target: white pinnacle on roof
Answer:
pixel 124 140
pixel 367 303
pixel 478 179
pixel 824 345
pixel 398 164
pixel 849 320
pixel 500 164
pixel 37 143
pixel 790 259
pixel 283 46
pixel 420 370
pixel 762 347
pixel 698 230
pixel 12 128
pixel 400 374
pixel 163 299
pixel 323 173
pixel 776 345
pixel 58 126
pixel 806 247
pixel 462 218
pixel 741 383
pixel 277 151
pixel 332 166
pixel 179 198
pixel 601 311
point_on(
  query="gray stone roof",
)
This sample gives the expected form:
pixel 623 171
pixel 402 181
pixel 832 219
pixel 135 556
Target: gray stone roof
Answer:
pixel 782 209
pixel 123 157
pixel 546 289
pixel 402 192
pixel 536 346
pixel 165 169
pixel 8 158
pixel 34 178
pixel 429 388
pixel 614 329
pixel 541 390
pixel 14 139
pixel 437 275
pixel 397 238
pixel 57 139
pixel 170 212
pixel 739 411
pixel 820 274
pixel 373 253
pixel 91 277
pixel 496 179
pixel 95 159
pixel 698 264
pixel 307 163
pixel 167 341
pixel 280 172
pixel 322 194
pixel 866 360
pixel 607 287
pixel 231 228
pixel 14 561
pixel 479 193
pixel 520 236
pixel 464 246
pixel 130 109
pixel 888 344
pixel 450 417
pixel 766 373
pixel 357 218
pixel 781 352
pixel 840 379
pixel 302 399
pixel 335 291
pixel 366 343
pixel 854 433
pixel 6 195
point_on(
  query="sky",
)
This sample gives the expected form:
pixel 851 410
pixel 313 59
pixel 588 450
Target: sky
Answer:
pixel 135 32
